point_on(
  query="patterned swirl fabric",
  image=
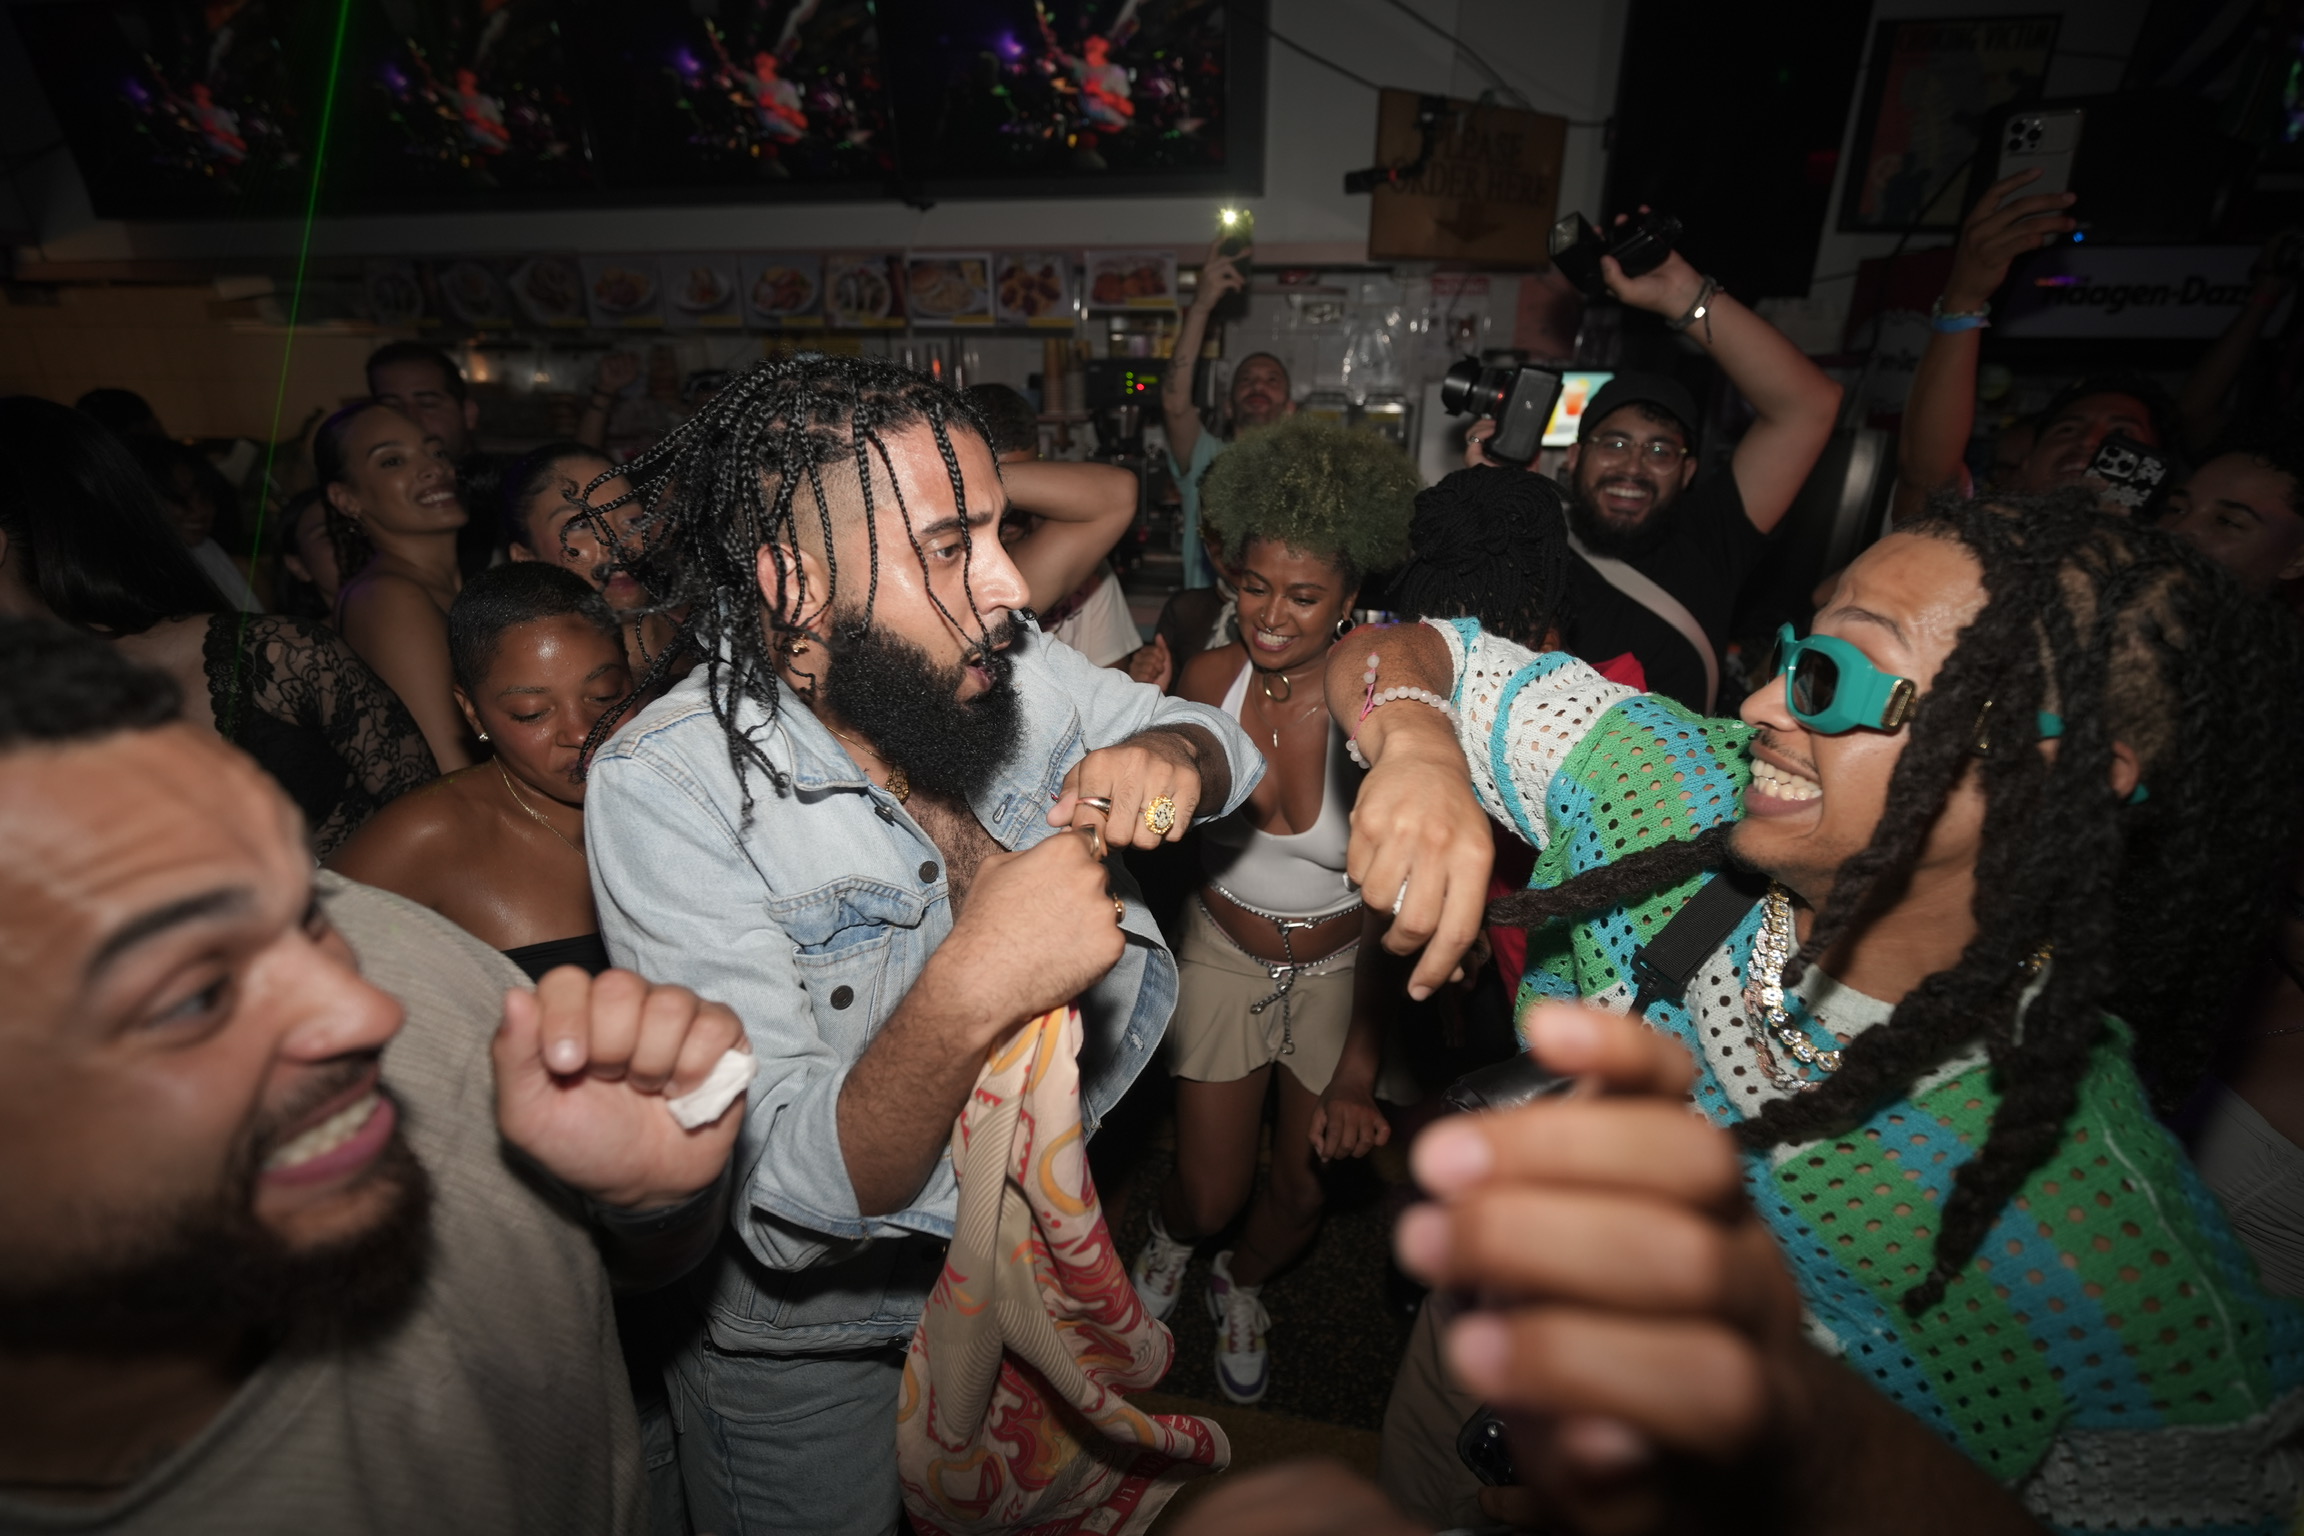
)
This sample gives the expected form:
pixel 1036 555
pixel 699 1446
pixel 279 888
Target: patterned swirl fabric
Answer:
pixel 1012 1417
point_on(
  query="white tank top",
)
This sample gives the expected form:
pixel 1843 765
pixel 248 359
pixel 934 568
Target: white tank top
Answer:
pixel 1297 876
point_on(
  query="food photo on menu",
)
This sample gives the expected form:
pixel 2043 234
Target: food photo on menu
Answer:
pixel 1033 287
pixel 550 290
pixel 625 291
pixel 860 291
pixel 950 288
pixel 784 289
pixel 702 290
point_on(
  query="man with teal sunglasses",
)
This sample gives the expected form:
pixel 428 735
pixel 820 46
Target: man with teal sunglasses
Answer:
pixel 1933 1257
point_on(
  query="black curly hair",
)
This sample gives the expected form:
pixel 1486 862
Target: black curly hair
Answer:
pixel 725 485
pixel 1492 544
pixel 2153 909
pixel 1343 494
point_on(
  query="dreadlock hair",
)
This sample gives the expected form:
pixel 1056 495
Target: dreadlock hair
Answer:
pixel 726 484
pixel 1491 544
pixel 2152 908
pixel 1315 486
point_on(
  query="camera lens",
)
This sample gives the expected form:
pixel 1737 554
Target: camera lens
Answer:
pixel 1464 389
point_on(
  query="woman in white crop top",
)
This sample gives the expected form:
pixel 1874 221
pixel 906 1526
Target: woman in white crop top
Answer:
pixel 1265 962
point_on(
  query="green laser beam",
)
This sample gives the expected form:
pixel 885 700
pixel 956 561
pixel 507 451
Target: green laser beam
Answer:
pixel 295 310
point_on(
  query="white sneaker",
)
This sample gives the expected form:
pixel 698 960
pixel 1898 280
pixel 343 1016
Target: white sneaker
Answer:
pixel 1158 1272
pixel 1243 1365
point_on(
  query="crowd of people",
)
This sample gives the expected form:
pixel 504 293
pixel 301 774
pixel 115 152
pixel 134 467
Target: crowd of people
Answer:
pixel 503 995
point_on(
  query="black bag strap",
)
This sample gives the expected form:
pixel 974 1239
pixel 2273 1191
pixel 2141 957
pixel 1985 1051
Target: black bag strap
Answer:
pixel 1663 965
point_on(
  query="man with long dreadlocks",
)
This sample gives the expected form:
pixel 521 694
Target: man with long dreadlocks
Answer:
pixel 844 824
pixel 2015 807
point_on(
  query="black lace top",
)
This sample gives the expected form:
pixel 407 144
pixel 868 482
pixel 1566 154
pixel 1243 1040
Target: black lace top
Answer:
pixel 296 698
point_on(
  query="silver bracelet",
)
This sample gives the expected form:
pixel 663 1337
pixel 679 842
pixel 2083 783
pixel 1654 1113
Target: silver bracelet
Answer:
pixel 1376 700
pixel 1700 310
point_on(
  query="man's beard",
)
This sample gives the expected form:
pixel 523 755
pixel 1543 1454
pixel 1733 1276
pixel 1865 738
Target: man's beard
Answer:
pixel 1603 536
pixel 910 709
pixel 212 1269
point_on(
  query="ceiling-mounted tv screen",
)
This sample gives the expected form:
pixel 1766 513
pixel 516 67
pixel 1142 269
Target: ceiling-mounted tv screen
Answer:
pixel 735 98
pixel 184 108
pixel 1009 97
pixel 446 103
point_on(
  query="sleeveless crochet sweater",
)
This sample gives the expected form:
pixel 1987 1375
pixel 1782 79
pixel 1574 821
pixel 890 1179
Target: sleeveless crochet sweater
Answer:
pixel 2108 1354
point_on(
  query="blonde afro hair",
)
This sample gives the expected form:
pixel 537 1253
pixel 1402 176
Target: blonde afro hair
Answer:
pixel 1343 494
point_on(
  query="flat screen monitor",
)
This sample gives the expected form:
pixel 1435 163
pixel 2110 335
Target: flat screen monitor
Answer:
pixel 758 98
pixel 1576 392
pixel 183 109
pixel 1065 97
pixel 449 103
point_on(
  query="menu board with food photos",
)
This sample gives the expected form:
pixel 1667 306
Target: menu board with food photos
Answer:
pixel 625 292
pixel 702 292
pixel 474 293
pixel 949 287
pixel 861 293
pixel 550 292
pixel 1131 279
pixel 784 292
pixel 1032 288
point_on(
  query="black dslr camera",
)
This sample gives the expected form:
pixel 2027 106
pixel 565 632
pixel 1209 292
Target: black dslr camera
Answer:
pixel 1639 245
pixel 1519 400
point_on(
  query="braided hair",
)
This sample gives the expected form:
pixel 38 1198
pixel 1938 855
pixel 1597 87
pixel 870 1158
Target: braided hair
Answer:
pixel 725 486
pixel 2151 908
pixel 1492 544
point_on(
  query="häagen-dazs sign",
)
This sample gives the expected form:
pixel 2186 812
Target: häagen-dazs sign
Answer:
pixel 2133 292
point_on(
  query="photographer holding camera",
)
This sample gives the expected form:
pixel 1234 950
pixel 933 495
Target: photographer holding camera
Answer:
pixel 1661 553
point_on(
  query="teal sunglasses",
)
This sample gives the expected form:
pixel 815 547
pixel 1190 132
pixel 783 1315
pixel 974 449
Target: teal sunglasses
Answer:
pixel 1832 687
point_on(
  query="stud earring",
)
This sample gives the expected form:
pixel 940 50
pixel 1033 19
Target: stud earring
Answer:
pixel 483 735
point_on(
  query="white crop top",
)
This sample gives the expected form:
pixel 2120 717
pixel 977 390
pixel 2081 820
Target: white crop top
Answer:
pixel 1297 876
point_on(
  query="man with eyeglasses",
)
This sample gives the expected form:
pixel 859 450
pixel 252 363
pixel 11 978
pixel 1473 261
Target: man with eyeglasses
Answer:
pixel 1663 552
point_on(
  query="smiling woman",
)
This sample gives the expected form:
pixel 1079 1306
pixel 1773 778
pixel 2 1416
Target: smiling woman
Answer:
pixel 383 474
pixel 498 848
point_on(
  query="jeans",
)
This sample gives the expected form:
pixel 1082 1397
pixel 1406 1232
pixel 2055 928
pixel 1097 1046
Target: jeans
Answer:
pixel 799 1445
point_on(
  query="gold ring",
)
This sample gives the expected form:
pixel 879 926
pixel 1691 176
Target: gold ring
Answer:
pixel 1160 816
pixel 1097 802
pixel 1119 910
pixel 1097 848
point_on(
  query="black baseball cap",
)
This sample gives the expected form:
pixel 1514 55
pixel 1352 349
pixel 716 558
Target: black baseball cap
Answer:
pixel 1666 395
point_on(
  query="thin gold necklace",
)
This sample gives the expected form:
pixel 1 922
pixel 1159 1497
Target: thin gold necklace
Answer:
pixel 537 816
pixel 899 782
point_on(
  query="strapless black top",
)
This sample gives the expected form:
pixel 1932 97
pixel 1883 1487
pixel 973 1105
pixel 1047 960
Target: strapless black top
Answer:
pixel 585 950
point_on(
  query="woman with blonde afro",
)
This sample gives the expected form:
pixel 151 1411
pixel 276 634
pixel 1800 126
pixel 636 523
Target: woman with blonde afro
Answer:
pixel 1303 509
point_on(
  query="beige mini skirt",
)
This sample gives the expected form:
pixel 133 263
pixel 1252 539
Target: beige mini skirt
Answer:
pixel 1215 1039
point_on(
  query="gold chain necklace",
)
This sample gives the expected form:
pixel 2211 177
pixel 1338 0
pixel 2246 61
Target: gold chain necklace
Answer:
pixel 535 815
pixel 899 782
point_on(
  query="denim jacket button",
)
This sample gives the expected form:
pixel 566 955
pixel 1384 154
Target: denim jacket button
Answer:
pixel 843 996
pixel 928 872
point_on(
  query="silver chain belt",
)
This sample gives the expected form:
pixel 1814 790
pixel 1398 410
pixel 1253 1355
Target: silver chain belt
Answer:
pixel 1284 974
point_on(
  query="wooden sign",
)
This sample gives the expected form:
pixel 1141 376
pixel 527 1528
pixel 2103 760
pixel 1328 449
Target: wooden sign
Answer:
pixel 1486 193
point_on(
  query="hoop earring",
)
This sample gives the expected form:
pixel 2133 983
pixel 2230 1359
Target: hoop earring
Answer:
pixel 1345 626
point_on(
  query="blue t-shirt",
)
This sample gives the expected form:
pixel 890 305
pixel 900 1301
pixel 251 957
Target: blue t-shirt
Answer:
pixel 1197 571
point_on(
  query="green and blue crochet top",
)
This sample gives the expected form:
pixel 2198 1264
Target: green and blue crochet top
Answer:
pixel 2108 1355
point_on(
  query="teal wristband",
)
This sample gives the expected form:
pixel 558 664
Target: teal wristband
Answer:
pixel 1949 325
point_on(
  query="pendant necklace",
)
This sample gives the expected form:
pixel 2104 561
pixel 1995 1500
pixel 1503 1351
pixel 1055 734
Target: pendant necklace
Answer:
pixel 899 782
pixel 522 801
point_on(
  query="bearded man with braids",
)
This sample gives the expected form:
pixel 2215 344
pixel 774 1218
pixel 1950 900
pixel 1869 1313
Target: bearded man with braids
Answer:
pixel 2015 809
pixel 845 823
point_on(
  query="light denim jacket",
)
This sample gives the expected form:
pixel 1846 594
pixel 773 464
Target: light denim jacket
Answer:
pixel 813 923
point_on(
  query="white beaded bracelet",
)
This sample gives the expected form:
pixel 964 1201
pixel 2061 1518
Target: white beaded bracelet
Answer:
pixel 1418 695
